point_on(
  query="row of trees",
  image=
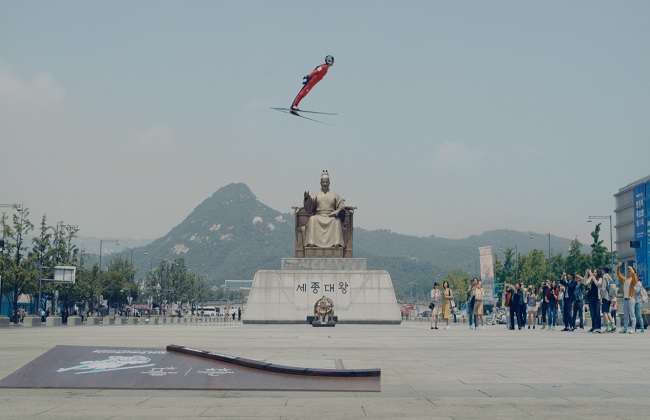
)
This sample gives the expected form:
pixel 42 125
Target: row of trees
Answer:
pixel 23 267
pixel 531 268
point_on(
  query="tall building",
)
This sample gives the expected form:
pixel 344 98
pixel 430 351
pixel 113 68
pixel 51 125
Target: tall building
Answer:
pixel 633 226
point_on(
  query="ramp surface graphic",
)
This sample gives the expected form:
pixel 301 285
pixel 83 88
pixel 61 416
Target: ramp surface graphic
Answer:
pixel 178 367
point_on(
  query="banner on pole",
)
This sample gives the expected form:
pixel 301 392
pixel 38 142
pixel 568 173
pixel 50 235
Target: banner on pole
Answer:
pixel 487 274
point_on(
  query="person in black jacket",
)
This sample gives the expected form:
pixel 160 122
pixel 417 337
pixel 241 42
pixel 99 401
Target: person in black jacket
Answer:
pixel 551 299
pixel 569 283
pixel 521 319
pixel 515 303
pixel 544 308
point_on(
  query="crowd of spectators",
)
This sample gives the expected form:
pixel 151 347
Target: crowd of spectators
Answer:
pixel 572 297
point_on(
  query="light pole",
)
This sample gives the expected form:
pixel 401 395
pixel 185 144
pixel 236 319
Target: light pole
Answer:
pixel 17 207
pixel 412 285
pixel 611 240
pixel 532 234
pixel 150 261
pixel 101 243
pixel 58 240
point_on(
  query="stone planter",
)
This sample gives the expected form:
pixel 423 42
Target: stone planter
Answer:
pixel 111 320
pixel 74 320
pixel 33 322
pixel 93 321
pixel 4 322
pixel 122 321
pixel 53 321
pixel 135 321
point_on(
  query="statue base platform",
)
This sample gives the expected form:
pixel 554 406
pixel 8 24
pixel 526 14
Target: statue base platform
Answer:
pixel 336 252
pixel 288 296
pixel 323 324
pixel 323 264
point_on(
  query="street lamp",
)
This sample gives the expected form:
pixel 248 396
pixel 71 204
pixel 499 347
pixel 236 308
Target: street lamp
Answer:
pixel 58 240
pixel 101 242
pixel 17 207
pixel 412 285
pixel 150 261
pixel 611 240
pixel 532 234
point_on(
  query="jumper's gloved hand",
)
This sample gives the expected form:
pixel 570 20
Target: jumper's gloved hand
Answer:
pixel 305 80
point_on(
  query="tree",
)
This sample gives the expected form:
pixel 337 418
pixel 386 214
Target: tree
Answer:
pixel 17 270
pixel 509 266
pixel 576 261
pixel 4 259
pixel 196 291
pixel 499 271
pixel 116 281
pixel 41 253
pixel 599 254
pixel 85 290
pixel 534 268
pixel 54 247
pixel 459 283
pixel 558 266
pixel 172 282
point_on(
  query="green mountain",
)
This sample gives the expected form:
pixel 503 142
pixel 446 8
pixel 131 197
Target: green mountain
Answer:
pixel 231 235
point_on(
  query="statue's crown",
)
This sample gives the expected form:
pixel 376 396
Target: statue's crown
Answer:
pixel 325 174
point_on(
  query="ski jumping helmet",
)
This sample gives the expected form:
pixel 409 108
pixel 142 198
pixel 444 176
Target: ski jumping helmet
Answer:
pixel 329 60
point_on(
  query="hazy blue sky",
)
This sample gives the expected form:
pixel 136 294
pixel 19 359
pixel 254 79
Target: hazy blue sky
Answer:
pixel 455 117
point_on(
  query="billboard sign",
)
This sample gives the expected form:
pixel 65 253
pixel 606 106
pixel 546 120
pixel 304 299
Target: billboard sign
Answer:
pixel 64 274
pixel 641 232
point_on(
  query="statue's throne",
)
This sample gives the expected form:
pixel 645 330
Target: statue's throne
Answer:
pixel 303 251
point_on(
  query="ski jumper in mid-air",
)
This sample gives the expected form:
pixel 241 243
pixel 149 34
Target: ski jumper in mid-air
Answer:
pixel 311 79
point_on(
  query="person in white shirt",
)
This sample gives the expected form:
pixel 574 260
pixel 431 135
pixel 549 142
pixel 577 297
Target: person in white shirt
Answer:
pixel 436 301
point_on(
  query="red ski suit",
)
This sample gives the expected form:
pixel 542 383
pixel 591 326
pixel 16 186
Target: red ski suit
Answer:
pixel 312 78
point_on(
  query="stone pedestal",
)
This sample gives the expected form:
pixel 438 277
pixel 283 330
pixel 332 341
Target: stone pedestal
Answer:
pixel 323 324
pixel 351 264
pixel 52 321
pixel 288 296
pixel 33 322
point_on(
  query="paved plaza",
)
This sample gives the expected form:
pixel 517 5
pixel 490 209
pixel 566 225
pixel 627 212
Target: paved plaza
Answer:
pixel 446 374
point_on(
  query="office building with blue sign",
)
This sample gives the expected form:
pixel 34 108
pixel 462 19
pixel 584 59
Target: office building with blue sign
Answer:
pixel 633 226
